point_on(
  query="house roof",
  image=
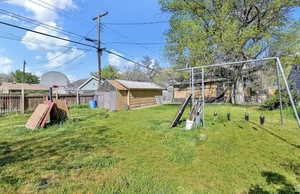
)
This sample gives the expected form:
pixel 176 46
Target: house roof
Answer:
pixel 79 84
pixel 139 85
pixel 76 84
pixel 19 86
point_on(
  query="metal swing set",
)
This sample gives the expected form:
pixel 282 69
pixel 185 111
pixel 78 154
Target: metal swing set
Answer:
pixel 197 117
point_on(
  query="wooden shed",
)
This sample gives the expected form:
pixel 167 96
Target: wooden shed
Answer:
pixel 122 94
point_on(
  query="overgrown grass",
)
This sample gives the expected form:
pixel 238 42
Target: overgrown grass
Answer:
pixel 136 152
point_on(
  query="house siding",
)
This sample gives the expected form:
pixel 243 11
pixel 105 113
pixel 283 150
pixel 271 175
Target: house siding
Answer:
pixel 92 85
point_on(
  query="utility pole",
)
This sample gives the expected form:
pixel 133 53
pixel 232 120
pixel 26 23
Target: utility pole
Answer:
pixel 23 92
pixel 98 43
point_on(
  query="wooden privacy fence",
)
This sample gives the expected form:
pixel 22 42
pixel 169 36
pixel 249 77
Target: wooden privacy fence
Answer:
pixel 10 103
pixel 13 103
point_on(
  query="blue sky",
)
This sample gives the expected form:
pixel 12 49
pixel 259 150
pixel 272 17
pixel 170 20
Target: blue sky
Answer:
pixel 45 54
pixel 76 16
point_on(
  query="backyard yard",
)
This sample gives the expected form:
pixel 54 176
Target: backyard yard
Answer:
pixel 136 152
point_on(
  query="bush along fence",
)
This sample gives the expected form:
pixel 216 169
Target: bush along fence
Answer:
pixel 13 103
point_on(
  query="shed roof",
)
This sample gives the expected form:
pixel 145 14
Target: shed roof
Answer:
pixel 19 86
pixel 117 85
pixel 139 85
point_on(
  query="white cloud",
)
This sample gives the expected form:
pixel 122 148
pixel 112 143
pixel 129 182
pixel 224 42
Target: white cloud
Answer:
pixel 59 58
pixel 49 15
pixel 72 78
pixel 38 57
pixel 117 61
pixel 44 11
pixel 37 73
pixel 6 65
pixel 35 41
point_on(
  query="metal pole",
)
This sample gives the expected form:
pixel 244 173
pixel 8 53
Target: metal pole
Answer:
pixel 191 92
pixel 193 89
pixel 203 97
pixel 288 90
pixel 279 93
pixel 232 63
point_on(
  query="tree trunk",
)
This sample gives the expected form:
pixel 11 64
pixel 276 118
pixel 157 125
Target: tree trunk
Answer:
pixel 239 95
pixel 237 92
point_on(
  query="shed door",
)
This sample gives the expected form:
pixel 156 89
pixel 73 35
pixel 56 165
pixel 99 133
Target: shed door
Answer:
pixel 107 100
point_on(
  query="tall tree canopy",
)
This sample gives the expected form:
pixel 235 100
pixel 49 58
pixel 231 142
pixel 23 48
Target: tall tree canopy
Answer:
pixel 207 31
pixel 28 77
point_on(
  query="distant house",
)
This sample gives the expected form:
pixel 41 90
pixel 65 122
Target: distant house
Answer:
pixel 16 88
pixel 83 85
pixel 122 94
pixel 294 79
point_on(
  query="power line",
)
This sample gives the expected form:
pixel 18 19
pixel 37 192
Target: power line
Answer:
pixel 45 34
pixel 75 58
pixel 48 4
pixel 36 42
pixel 137 43
pixel 67 50
pixel 127 38
pixel 36 22
pixel 52 6
pixel 41 5
pixel 108 51
pixel 127 59
pixel 136 23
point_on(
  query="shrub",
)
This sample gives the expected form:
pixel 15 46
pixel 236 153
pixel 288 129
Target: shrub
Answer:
pixel 273 102
pixel 79 106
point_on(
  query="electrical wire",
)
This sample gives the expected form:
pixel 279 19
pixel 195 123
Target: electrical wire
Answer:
pixel 137 23
pixel 67 50
pixel 76 42
pixel 137 43
pixel 45 34
pixel 37 42
pixel 127 59
pixel 127 38
pixel 36 22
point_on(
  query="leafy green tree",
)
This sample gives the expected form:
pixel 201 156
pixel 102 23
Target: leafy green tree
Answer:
pixel 135 73
pixel 152 69
pixel 110 72
pixel 28 77
pixel 209 31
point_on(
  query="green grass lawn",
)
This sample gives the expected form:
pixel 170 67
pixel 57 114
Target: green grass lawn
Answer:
pixel 136 152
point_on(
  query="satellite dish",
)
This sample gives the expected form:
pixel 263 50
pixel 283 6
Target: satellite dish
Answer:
pixel 54 79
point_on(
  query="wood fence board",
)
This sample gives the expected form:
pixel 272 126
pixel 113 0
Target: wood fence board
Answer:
pixel 181 111
pixel 37 117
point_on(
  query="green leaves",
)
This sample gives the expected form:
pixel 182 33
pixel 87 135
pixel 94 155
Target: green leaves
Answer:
pixel 203 31
pixel 28 77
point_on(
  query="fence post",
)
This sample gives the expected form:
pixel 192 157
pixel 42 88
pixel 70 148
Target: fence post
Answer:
pixel 77 97
pixel 23 102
